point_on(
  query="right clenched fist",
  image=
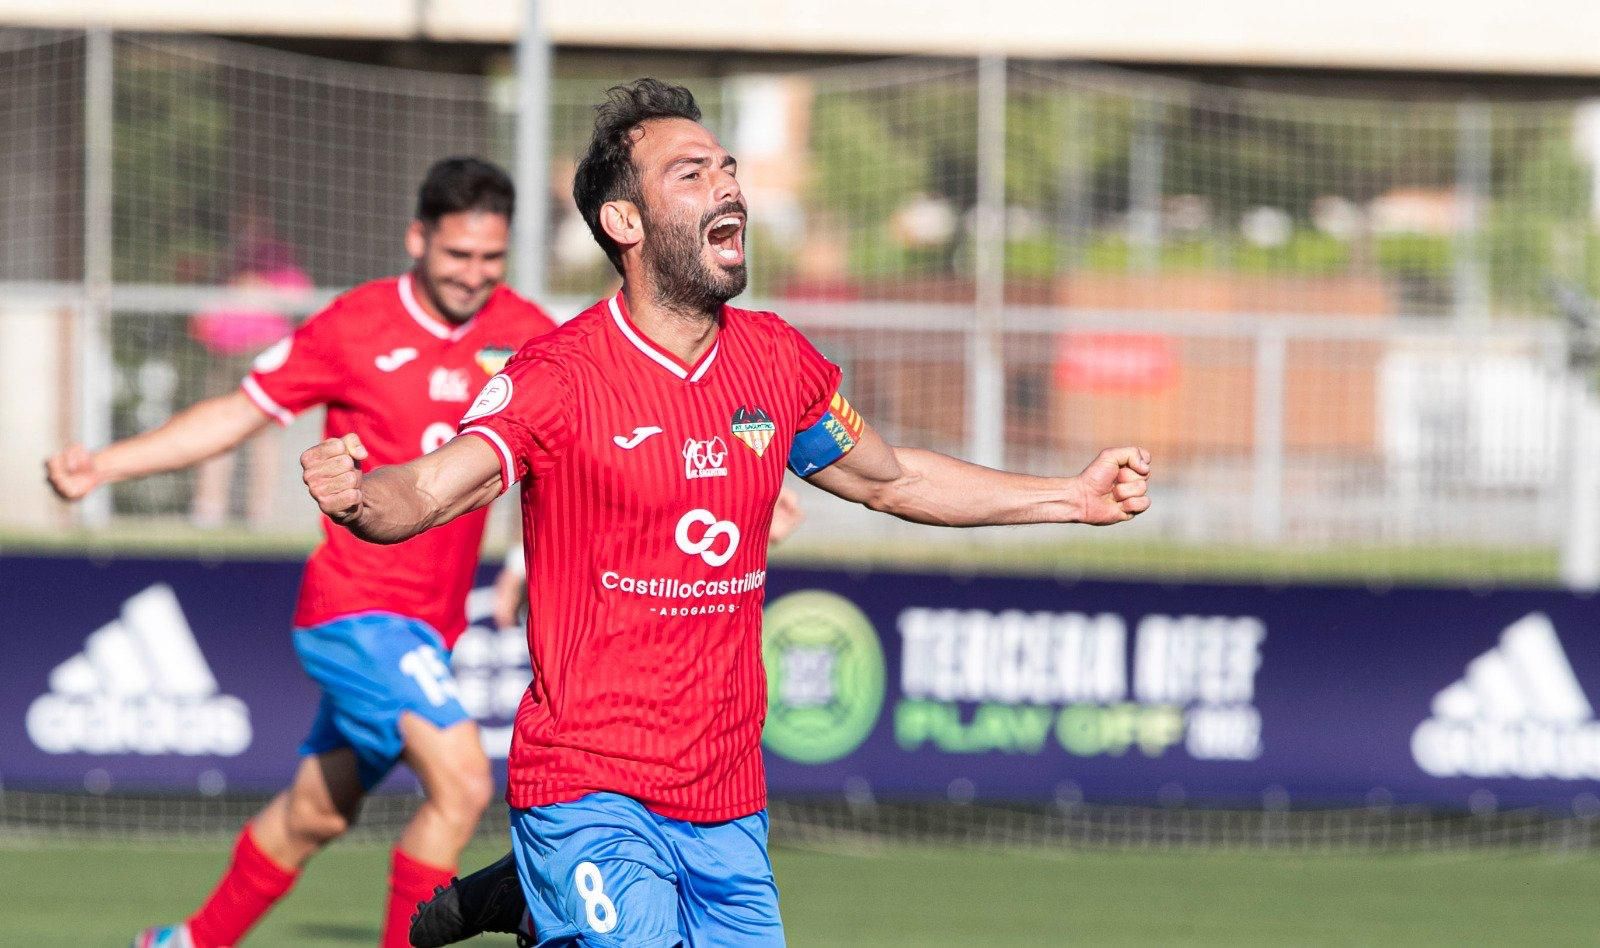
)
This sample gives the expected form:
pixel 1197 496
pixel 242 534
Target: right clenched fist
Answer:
pixel 332 473
pixel 71 472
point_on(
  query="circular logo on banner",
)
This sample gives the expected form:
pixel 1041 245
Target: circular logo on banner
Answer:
pixel 825 676
pixel 494 396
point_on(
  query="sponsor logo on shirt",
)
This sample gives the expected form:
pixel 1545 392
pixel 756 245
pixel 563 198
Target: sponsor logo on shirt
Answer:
pixel 491 359
pixel 709 529
pixel 639 434
pixel 449 385
pixel 699 534
pixel 390 361
pixel 494 397
pixel 754 427
pixel 667 587
pixel 140 686
pixel 705 458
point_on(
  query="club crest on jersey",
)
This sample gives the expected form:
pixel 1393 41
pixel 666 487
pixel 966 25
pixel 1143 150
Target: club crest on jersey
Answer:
pixel 493 358
pixel 705 458
pixel 755 428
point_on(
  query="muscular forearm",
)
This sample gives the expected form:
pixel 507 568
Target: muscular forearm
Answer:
pixel 393 506
pixel 937 489
pixel 201 431
pixel 395 503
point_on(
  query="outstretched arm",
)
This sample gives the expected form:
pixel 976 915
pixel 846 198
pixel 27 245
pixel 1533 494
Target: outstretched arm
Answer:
pixel 928 487
pixel 399 501
pixel 203 430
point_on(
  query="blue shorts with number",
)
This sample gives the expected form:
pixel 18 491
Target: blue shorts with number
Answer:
pixel 603 870
pixel 373 667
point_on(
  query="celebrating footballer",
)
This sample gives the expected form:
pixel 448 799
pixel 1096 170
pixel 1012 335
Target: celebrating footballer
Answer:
pixel 636 786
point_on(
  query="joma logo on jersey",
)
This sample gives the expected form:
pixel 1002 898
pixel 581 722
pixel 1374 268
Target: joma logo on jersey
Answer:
pixel 449 385
pixel 705 458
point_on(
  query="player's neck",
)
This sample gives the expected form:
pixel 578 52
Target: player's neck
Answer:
pixel 686 333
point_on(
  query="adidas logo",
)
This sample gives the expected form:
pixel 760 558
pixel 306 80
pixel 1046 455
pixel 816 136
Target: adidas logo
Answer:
pixel 140 686
pixel 1517 712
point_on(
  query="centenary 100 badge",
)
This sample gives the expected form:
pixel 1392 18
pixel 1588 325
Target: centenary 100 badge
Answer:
pixel 825 676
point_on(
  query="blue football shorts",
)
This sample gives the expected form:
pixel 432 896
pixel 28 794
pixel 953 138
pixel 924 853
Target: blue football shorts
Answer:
pixel 603 870
pixel 373 667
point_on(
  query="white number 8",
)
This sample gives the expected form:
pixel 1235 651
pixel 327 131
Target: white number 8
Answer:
pixel 597 906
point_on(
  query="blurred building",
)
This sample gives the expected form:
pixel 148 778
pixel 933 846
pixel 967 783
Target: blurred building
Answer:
pixel 1266 241
pixel 1544 37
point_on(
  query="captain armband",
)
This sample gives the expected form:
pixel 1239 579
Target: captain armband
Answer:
pixel 831 438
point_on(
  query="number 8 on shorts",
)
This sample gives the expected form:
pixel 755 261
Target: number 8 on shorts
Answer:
pixel 598 908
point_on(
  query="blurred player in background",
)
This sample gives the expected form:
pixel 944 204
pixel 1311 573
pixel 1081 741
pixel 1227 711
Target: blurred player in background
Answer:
pixel 231 334
pixel 395 361
pixel 636 783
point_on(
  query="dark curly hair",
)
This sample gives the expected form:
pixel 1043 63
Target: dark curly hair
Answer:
pixel 460 184
pixel 607 172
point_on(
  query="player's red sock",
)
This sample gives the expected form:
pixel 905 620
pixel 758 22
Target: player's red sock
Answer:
pixel 410 882
pixel 252 884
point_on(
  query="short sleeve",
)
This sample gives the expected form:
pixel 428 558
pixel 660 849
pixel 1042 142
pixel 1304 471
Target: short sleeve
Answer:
pixel 818 381
pixel 299 371
pixel 524 413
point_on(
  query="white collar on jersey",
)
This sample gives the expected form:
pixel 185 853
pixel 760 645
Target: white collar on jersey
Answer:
pixel 408 299
pixel 656 355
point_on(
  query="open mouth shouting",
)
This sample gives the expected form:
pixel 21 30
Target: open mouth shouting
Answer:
pixel 726 237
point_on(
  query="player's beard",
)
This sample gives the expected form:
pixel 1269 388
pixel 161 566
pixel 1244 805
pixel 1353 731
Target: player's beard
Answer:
pixel 679 276
pixel 456 314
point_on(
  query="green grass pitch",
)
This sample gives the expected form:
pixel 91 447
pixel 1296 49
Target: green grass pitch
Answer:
pixel 61 893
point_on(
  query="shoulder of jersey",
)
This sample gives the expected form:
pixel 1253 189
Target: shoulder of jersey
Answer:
pixel 518 308
pixel 761 320
pixel 361 300
pixel 570 338
pixel 766 327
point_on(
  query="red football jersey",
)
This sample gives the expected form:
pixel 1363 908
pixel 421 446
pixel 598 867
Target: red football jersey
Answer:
pixel 400 379
pixel 647 491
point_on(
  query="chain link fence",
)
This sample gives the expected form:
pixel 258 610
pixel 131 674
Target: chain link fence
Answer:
pixel 1335 322
pixel 1352 331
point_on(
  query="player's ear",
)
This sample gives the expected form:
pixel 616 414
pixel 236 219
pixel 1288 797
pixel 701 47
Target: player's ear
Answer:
pixel 416 240
pixel 621 222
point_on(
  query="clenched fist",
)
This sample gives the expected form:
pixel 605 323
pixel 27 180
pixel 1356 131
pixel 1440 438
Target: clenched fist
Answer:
pixel 1113 486
pixel 332 473
pixel 71 472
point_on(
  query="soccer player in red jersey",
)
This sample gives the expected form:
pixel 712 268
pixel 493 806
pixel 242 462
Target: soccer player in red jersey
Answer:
pixel 395 361
pixel 650 435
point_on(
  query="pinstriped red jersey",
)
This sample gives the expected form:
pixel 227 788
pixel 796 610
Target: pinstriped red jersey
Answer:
pixel 399 378
pixel 648 487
